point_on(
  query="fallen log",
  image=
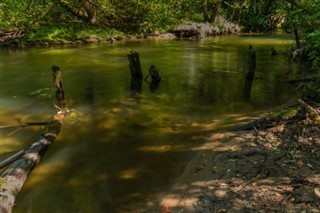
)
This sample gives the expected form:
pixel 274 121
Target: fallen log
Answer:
pixel 285 117
pixel 303 79
pixel 311 112
pixel 13 178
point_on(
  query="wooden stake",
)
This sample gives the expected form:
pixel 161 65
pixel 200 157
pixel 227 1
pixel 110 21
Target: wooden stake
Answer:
pixel 134 64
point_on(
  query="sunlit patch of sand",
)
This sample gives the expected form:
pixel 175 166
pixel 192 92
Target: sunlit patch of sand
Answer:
pixel 129 174
pixel 162 148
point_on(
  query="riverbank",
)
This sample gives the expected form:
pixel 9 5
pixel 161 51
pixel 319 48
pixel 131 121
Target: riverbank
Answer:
pixel 55 36
pixel 264 170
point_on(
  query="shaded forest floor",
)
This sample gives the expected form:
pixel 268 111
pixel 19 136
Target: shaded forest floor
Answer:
pixel 274 169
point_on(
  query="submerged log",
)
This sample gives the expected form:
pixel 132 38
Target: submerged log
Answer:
pixel 134 64
pixel 13 178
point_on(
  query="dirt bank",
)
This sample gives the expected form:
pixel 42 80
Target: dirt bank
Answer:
pixel 263 170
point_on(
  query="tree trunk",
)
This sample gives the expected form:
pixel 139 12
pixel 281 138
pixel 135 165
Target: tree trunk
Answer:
pixel 296 36
pixel 74 11
pixel 205 11
pixel 13 178
pixel 215 11
pixel 87 4
pixel 89 15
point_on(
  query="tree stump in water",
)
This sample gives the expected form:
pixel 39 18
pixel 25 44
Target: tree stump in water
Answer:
pixel 251 62
pixel 154 73
pixel 134 65
pixel 57 80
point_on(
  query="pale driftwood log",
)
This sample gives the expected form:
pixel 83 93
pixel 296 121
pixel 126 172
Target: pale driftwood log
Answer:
pixel 13 178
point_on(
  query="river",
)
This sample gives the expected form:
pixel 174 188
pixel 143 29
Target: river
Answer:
pixel 122 142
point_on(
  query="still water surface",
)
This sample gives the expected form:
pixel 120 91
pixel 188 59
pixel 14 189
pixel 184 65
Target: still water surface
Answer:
pixel 124 142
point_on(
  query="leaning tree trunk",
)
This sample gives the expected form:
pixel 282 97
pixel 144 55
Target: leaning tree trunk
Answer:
pixel 13 178
pixel 88 6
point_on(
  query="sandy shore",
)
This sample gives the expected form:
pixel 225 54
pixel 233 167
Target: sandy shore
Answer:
pixel 264 170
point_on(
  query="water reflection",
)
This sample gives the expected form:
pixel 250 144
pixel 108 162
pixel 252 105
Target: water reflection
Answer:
pixel 154 85
pixel 247 88
pixel 89 94
pixel 115 156
pixel 136 88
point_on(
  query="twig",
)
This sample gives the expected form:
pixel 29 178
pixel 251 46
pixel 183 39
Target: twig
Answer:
pixel 286 199
pixel 12 159
pixel 255 129
pixel 24 125
pixel 13 132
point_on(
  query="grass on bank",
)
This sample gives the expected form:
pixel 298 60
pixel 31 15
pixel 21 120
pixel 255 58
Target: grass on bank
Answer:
pixel 52 33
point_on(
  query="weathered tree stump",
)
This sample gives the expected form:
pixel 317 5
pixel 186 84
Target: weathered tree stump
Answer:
pixel 57 80
pixel 134 64
pixel 13 178
pixel 251 62
pixel 273 51
pixel 154 73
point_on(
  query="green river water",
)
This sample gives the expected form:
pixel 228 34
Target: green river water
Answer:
pixel 123 143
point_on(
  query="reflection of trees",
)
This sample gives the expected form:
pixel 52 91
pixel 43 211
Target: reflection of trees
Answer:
pixel 247 88
pixel 89 94
pixel 217 88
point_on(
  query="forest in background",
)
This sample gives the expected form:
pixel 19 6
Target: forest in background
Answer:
pixel 73 19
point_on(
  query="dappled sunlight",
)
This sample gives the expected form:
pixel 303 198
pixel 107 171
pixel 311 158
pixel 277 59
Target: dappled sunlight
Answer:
pixel 10 145
pixel 51 166
pixel 120 147
pixel 129 174
pixel 164 148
